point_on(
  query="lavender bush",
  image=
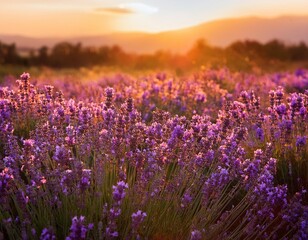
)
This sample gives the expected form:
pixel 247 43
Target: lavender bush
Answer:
pixel 156 158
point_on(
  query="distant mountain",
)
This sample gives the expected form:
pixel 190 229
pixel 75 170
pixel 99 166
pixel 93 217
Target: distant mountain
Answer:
pixel 29 42
pixel 290 29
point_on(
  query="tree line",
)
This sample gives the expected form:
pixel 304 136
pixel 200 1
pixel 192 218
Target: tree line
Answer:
pixel 68 55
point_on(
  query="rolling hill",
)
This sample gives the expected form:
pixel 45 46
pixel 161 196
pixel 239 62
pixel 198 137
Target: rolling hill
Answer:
pixel 289 29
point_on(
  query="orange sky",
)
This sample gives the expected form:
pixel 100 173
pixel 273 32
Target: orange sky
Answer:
pixel 93 17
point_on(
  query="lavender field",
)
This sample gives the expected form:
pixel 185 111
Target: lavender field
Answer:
pixel 214 154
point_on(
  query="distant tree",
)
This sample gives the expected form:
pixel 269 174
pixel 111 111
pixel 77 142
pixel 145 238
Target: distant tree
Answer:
pixel 275 49
pixel 66 55
pixel 298 52
pixel 43 56
pixel 247 48
pixel 239 55
pixel 199 53
pixel 11 56
pixel 2 53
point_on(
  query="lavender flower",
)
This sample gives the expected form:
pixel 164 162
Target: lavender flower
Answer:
pixel 6 177
pixel 78 229
pixel 25 76
pixel 301 141
pixel 137 218
pixel 195 235
pixel 85 180
pixel 260 134
pixel 119 191
pixel 62 155
pixel 47 234
pixel 109 95
pixel 186 200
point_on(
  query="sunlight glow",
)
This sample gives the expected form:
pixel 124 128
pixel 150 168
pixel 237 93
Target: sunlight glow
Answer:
pixel 24 17
pixel 139 7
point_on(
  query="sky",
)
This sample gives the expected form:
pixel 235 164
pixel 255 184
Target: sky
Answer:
pixel 67 18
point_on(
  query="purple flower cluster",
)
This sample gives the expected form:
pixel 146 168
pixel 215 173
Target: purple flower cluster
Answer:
pixel 193 155
pixel 196 235
pixel 301 141
pixel 78 229
pixel 47 234
pixel 137 219
pixel 6 177
pixel 119 191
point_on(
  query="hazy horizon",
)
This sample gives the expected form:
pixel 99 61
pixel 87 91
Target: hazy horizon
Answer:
pixel 99 17
pixel 155 32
